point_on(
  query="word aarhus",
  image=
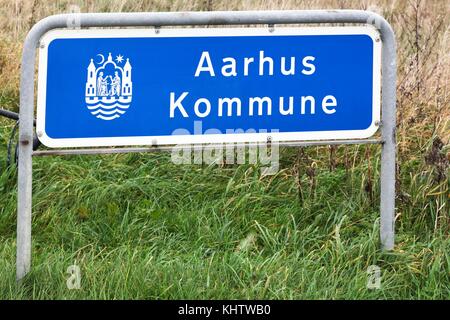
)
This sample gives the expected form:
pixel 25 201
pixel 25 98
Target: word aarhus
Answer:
pixel 264 64
pixel 260 106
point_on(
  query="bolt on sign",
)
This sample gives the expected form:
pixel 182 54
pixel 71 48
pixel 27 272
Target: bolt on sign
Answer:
pixel 137 87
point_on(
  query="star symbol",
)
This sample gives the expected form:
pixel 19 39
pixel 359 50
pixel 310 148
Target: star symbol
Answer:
pixel 119 58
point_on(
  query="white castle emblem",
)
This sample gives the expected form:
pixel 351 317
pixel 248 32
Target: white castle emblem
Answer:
pixel 108 87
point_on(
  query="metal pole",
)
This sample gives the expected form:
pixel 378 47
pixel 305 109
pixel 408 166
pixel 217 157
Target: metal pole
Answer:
pixel 206 146
pixel 201 18
pixel 388 132
pixel 9 114
pixel 24 183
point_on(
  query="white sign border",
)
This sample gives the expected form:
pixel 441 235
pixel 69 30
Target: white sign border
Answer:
pixel 369 30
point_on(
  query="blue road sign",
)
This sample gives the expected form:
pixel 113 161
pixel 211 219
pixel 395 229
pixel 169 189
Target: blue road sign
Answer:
pixel 141 87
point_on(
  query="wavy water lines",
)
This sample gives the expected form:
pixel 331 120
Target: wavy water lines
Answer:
pixel 107 111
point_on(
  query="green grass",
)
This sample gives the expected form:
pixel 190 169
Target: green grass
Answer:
pixel 139 226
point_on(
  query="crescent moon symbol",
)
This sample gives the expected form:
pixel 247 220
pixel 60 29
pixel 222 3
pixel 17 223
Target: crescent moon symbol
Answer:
pixel 103 59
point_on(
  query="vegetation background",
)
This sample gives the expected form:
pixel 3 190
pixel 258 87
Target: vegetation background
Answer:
pixel 139 226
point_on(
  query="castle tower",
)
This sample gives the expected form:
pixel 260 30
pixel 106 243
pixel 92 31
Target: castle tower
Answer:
pixel 127 85
pixel 91 80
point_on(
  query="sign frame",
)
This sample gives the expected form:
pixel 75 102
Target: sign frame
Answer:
pixel 159 19
pixel 48 37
